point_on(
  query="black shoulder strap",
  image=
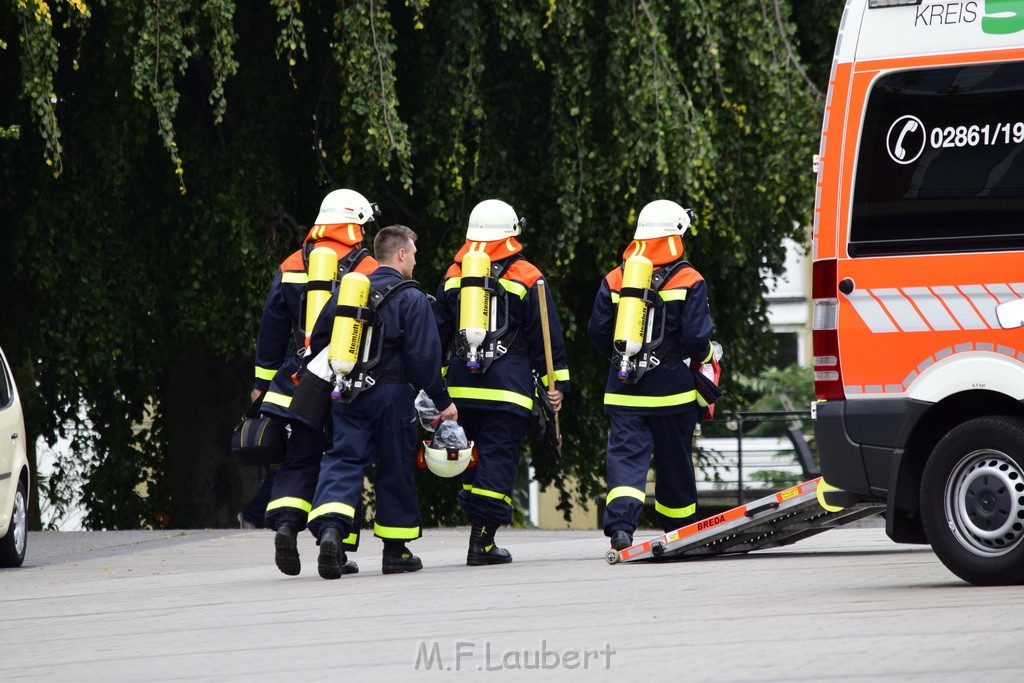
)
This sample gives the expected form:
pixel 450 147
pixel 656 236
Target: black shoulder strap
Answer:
pixel 307 249
pixel 351 261
pixel 665 273
pixel 499 268
pixel 379 296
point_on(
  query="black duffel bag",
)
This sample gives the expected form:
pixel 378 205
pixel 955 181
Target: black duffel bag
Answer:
pixel 259 439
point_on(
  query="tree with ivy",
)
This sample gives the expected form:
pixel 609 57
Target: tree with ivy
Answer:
pixel 171 152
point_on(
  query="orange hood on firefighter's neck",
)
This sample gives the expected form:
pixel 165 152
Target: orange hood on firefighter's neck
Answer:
pixel 349 234
pixel 497 250
pixel 660 250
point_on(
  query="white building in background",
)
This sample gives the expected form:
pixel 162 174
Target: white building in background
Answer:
pixel 789 307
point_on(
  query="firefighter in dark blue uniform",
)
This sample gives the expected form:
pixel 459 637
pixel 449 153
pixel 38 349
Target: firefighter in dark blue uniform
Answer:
pixel 495 393
pixel 379 424
pixel 653 407
pixel 280 347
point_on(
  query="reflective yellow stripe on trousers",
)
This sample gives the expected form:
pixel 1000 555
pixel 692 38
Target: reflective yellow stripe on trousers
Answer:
pixel 625 492
pixel 397 533
pixel 675 513
pixel 289 502
pixel 488 494
pixel 327 508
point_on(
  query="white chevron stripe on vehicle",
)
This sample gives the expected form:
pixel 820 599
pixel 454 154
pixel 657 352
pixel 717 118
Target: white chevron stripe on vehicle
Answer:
pixel 932 309
pixel 936 309
pixel 871 312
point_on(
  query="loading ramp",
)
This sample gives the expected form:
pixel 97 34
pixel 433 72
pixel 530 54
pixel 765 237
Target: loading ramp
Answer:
pixel 782 518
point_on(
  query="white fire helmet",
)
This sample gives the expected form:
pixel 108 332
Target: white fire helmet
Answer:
pixel 662 218
pixel 492 220
pixel 346 206
pixel 447 462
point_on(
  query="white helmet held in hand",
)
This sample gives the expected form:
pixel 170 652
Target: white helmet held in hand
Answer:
pixel 447 462
pixel 662 218
pixel 492 220
pixel 346 206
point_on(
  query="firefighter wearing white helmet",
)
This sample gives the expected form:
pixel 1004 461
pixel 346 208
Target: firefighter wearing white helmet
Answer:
pixel 651 318
pixel 346 207
pixel 280 345
pixel 662 218
pixel 488 315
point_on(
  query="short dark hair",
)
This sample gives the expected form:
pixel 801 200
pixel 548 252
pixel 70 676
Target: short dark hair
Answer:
pixel 390 239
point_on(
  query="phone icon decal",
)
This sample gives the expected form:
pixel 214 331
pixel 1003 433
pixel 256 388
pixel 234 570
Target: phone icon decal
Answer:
pixel 906 139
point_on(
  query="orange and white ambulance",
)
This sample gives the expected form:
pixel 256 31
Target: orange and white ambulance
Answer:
pixel 918 276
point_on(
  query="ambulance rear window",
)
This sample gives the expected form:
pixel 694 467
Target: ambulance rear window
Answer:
pixel 941 162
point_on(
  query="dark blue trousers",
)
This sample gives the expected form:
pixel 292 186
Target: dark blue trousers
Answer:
pixel 632 442
pixel 379 426
pixel 256 508
pixel 295 480
pixel 486 494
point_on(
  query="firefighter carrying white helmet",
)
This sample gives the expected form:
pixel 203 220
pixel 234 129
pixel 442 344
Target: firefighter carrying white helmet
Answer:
pixel 662 218
pixel 492 220
pixel 346 206
pixel 447 462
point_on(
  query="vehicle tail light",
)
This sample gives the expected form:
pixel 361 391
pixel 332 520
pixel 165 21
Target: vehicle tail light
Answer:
pixel 828 377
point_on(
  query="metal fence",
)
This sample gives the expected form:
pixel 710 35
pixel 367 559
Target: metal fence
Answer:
pixel 747 455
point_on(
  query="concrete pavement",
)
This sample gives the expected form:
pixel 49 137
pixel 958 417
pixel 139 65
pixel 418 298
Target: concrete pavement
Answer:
pixel 846 605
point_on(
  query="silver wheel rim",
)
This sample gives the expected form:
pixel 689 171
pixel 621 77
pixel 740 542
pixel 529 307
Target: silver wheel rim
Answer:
pixel 19 525
pixel 985 503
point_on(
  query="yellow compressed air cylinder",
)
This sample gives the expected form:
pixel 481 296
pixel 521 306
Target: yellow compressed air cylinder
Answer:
pixel 323 268
pixel 474 306
pixel 631 316
pixel 347 333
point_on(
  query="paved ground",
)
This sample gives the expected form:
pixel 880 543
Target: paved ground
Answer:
pixel 846 605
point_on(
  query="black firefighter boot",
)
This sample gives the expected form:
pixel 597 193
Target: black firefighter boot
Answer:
pixel 398 560
pixel 621 539
pixel 482 550
pixel 329 562
pixel 286 552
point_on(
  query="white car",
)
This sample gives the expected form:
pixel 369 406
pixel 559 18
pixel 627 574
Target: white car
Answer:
pixel 13 472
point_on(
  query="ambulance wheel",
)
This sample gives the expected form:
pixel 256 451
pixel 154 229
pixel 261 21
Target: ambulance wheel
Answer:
pixel 612 556
pixel 972 500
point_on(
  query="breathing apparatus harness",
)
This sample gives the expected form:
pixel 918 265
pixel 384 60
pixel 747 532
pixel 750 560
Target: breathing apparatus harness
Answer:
pixel 346 264
pixel 370 368
pixel 654 350
pixel 498 341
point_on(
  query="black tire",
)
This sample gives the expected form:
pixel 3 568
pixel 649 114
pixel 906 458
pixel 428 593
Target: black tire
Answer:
pixel 14 543
pixel 972 500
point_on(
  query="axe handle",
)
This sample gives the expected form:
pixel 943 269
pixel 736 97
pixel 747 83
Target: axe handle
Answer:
pixel 546 332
